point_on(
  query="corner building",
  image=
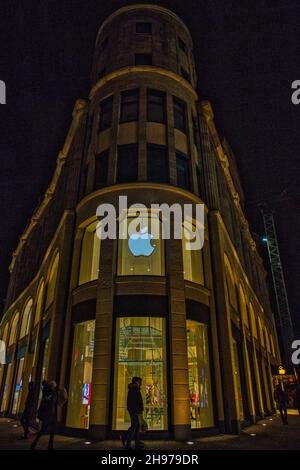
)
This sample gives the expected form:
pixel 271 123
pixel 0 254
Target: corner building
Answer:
pixel 195 325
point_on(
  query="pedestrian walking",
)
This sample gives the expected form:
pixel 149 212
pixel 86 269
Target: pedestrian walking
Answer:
pixel 135 408
pixel 28 413
pixel 47 413
pixel 281 399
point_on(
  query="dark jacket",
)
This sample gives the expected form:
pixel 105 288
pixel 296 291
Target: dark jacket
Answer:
pixel 280 396
pixel 47 411
pixel 29 405
pixel 134 399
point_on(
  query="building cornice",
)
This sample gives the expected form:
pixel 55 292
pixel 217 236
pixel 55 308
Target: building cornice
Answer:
pixel 80 108
pixel 207 112
pixel 140 69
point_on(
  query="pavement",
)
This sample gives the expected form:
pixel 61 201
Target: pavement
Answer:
pixel 267 434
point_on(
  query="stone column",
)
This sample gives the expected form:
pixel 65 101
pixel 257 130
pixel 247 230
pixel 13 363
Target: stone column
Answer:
pixel 179 393
pixel 102 363
pixel 232 423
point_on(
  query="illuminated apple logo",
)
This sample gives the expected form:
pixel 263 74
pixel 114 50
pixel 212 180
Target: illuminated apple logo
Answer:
pixel 140 243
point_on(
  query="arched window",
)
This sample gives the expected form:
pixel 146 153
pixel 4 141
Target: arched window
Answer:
pixel 142 252
pixel 5 333
pixel 13 330
pixel 243 307
pixel 52 281
pixel 231 289
pixel 192 259
pixel 26 319
pixel 39 304
pixel 90 254
pixel 253 322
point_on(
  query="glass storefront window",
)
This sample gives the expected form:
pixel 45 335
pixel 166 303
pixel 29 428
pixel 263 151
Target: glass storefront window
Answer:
pixel 5 396
pixel 141 254
pixel 192 260
pixel 81 375
pixel 237 380
pixel 90 255
pixel 141 351
pixel 18 387
pixel 199 375
pixel 45 360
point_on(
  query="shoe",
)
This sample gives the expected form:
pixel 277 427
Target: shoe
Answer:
pixel 123 439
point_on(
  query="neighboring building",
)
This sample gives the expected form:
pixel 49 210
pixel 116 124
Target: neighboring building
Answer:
pixel 195 325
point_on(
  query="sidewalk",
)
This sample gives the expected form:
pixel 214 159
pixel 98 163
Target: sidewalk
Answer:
pixel 268 434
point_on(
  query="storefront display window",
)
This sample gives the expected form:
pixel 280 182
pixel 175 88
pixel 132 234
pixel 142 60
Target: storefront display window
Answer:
pixel 142 253
pixel 18 387
pixel 81 375
pixel 199 375
pixel 5 396
pixel 141 351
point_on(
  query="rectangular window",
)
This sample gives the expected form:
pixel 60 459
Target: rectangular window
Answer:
pixel 192 259
pixel 127 163
pixel 106 109
pixel 141 351
pixel 182 167
pixel 179 114
pixel 129 106
pixel 143 59
pixel 182 45
pixel 101 169
pixel 156 106
pixel 185 74
pixel 201 403
pixel 143 28
pixel 157 164
pixel 81 369
pixel 195 130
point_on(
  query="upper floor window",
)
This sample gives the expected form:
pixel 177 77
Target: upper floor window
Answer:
pixel 182 45
pixel 141 253
pixel 179 114
pixel 127 163
pixel 104 43
pixel 143 59
pixel 157 163
pixel 185 74
pixel 13 330
pixel 129 105
pixel 143 28
pixel 195 130
pixel 182 169
pixel 106 109
pixel 52 282
pixel 90 254
pixel 192 259
pixel 101 169
pixel 26 319
pixel 156 106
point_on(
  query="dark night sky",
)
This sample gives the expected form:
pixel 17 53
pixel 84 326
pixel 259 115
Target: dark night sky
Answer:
pixel 247 53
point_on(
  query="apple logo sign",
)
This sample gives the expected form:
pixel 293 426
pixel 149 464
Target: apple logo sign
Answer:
pixel 140 243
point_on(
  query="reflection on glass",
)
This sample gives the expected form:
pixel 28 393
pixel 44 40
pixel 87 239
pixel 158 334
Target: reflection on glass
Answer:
pixel 90 255
pixel 237 380
pixel 18 387
pixel 140 351
pixel 6 388
pixel 143 252
pixel 81 375
pixel 199 375
pixel 45 361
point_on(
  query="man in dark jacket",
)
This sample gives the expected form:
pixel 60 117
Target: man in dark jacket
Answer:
pixel 27 415
pixel 47 413
pixel 280 398
pixel 135 408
